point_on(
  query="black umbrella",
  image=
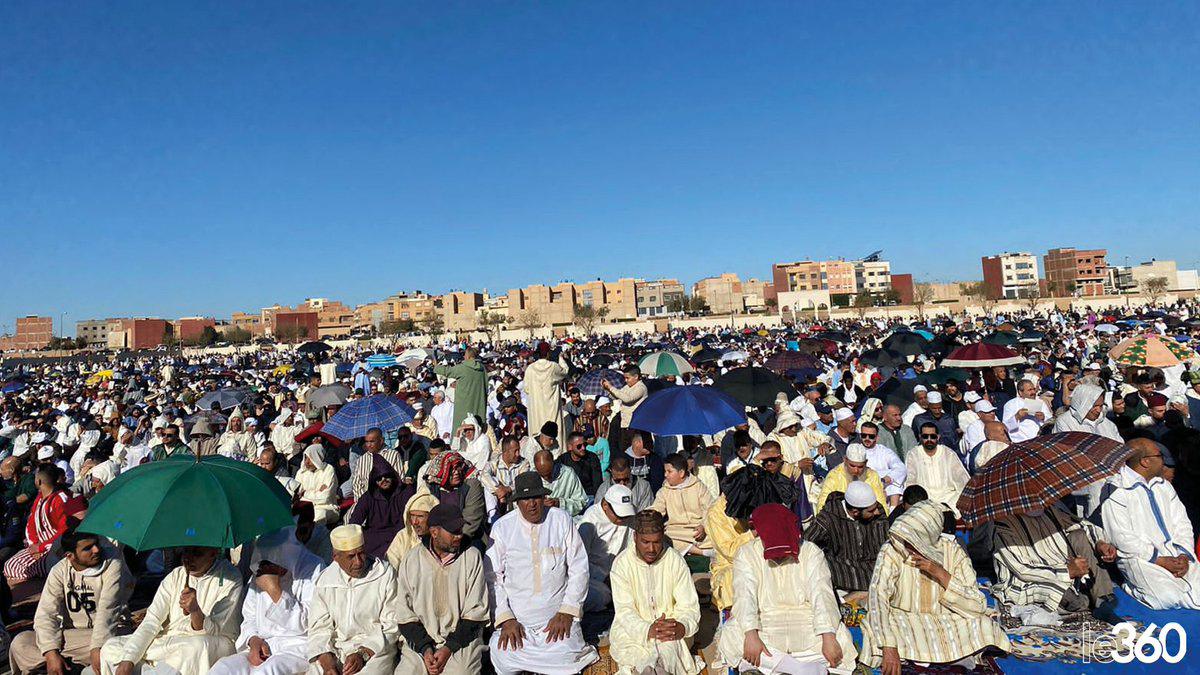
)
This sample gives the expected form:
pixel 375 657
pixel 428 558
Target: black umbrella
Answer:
pixel 315 347
pixel 602 360
pixel 906 344
pixel 835 336
pixel 707 355
pixel 879 358
pixel 896 391
pixel 754 386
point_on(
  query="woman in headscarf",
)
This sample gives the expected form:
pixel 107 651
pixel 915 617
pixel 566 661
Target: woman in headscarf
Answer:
pixel 416 514
pixel 473 443
pixel 924 605
pixel 452 480
pixel 275 628
pixel 319 485
pixel 380 510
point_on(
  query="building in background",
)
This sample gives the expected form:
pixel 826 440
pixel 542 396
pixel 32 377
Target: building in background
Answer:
pixel 872 275
pixel 250 322
pixel 138 333
pixel 460 311
pixel 722 294
pixel 294 325
pixel 655 298
pixel 835 276
pixel 903 285
pixel 1069 271
pixel 188 329
pixel 1118 279
pixel 334 318
pixel 1167 269
pixel 555 305
pixel 757 294
pixel 1010 275
pixel 94 332
pixel 33 332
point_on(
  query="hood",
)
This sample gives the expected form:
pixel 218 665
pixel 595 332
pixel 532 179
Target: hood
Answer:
pixel 316 454
pixel 921 526
pixel 380 467
pixel 1082 400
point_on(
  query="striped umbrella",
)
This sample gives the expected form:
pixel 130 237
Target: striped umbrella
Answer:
pixel 589 384
pixel 1037 473
pixel 380 361
pixel 1151 351
pixel 659 364
pixel 357 417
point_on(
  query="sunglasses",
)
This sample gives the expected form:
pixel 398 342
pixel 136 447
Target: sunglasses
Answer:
pixel 929 436
pixel 868 435
pixel 771 460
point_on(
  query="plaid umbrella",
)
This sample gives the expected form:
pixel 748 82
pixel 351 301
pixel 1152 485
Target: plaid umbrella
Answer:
pixel 357 417
pixel 1151 351
pixel 781 362
pixel 589 384
pixel 1037 473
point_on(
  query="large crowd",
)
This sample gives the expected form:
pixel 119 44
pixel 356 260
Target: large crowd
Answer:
pixel 518 518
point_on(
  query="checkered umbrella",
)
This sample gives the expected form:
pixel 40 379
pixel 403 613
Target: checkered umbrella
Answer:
pixel 1037 473
pixel 358 417
pixel 589 383
pixel 781 362
pixel 1151 351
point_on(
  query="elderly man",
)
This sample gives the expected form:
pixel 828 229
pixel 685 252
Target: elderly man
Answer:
pixel 539 570
pixel 604 529
pixel 1145 520
pixel 936 468
pixel 995 440
pixel 844 432
pixel 274 638
pixel 655 602
pixel 565 490
pixel 894 433
pixel 236 442
pixel 785 615
pixel 360 473
pixel 850 530
pixel 1051 559
pixel 853 469
pixel 1025 414
pixel 973 433
pixel 893 473
pixel 83 604
pixel 192 622
pixel 352 625
pixel 498 476
pixel 442 621
pixel 442 414
pixel 621 473
pixel 919 405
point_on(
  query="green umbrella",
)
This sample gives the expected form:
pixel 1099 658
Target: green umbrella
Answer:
pixel 212 501
pixel 1002 338
pixel 940 376
pixel 658 364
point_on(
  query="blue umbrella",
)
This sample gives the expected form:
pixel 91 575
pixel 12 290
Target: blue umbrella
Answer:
pixel 691 409
pixel 589 384
pixel 344 368
pixel 14 387
pixel 380 361
pixel 355 418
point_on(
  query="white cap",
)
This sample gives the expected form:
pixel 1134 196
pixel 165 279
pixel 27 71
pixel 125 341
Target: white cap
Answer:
pixel 919 387
pixel 1093 366
pixel 856 452
pixel 45 452
pixel 984 406
pixel 620 498
pixel 971 396
pixel 347 537
pixel 603 401
pixel 859 495
pixel 934 397
pixel 843 414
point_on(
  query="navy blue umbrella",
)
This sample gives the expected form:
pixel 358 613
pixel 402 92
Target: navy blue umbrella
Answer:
pixel 691 409
pixel 589 384
pixel 355 418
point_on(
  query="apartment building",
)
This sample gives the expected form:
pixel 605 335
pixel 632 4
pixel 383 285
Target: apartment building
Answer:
pixel 1075 272
pixel 1010 275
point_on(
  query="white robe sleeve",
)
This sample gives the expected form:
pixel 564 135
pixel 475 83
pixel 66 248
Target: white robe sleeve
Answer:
pixel 496 554
pixel 1123 530
pixel 577 573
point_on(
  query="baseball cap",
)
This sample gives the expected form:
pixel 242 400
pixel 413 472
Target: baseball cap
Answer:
pixel 448 517
pixel 620 498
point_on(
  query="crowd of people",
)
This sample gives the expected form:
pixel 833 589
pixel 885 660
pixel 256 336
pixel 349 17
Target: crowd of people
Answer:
pixel 520 519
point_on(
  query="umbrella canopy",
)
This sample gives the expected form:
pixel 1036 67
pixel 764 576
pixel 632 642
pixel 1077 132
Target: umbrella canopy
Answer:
pixel 378 411
pixel 707 355
pixel 228 399
pixel 982 355
pixel 835 336
pixel 380 361
pixel 416 353
pixel 691 409
pixel 330 394
pixel 1151 351
pixel 816 346
pixel 1031 336
pixel 1002 338
pixel 880 358
pixel 755 386
pixel 659 364
pixel 589 383
pixel 602 360
pixel 940 376
pixel 315 347
pixel 13 387
pixel 736 355
pixel 906 343
pixel 98 377
pixel 155 505
pixel 781 362
pixel 1107 328
pixel 1037 473
pixel 897 391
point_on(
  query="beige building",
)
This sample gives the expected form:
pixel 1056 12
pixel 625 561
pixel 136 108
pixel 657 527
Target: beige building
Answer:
pixel 835 276
pixel 872 276
pixel 460 311
pixel 722 294
pixel 334 319
pixel 555 305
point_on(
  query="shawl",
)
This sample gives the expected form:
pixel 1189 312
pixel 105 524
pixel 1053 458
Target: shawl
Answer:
pixel 779 530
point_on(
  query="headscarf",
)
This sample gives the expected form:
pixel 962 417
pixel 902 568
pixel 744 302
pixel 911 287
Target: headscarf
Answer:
pixel 921 527
pixel 479 450
pixel 779 530
pixel 441 468
pixel 104 472
pixel 753 486
pixel 1075 419
pixel 406 539
pixel 868 412
pixel 282 548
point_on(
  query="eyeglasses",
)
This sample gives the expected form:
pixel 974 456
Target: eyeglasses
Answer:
pixel 929 436
pixel 867 435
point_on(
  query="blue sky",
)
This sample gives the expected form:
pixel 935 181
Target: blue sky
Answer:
pixel 173 158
